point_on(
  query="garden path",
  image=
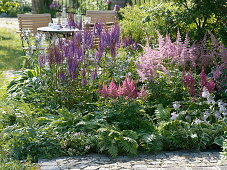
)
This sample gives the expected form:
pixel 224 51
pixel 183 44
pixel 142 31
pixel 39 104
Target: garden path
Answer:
pixel 178 160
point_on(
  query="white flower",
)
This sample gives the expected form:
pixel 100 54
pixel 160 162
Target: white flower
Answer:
pixel 217 114
pixel 222 106
pixel 194 135
pixel 206 115
pixel 210 100
pixel 205 93
pixel 176 105
pixel 198 121
pixel 174 116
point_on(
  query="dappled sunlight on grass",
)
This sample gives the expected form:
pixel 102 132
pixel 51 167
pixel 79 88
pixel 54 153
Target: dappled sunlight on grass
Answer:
pixel 10 50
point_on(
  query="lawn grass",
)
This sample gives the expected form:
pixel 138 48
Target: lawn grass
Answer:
pixel 10 50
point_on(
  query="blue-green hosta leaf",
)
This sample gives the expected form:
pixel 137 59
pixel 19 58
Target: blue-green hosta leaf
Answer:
pixel 219 140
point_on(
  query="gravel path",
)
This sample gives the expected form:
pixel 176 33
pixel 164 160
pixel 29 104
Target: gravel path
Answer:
pixel 161 161
pixel 9 23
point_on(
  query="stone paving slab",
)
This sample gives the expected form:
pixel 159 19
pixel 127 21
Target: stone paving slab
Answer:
pixel 162 161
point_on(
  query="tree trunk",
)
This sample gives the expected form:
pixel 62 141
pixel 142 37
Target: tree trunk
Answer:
pixel 40 6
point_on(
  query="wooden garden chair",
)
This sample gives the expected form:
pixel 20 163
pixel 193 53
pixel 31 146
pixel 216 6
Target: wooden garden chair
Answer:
pixel 30 22
pixel 108 18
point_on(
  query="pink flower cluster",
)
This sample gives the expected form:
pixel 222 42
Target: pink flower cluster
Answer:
pixel 210 85
pixel 127 90
pixel 189 83
pixel 180 53
pixel 149 63
pixel 152 59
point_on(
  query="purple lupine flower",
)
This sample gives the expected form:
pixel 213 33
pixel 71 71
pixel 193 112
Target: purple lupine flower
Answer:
pixel 105 39
pixel 98 55
pixel 79 53
pixel 217 73
pixel 88 38
pixel 77 38
pixel 83 75
pixel 113 50
pixel 72 65
pixel 98 29
pixel 71 21
pixel 62 76
pixel 55 55
pixel 84 82
pixel 42 60
pixel 79 24
pixel 93 75
pixel 115 34
pixel 127 41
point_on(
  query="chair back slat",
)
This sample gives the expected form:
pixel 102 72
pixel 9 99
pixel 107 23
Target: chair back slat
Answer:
pixel 33 21
pixel 101 16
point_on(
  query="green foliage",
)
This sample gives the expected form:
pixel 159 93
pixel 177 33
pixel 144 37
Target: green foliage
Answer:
pixel 150 142
pixel 166 89
pixel 192 16
pixel 116 142
pixel 162 114
pixel 7 6
pixel 12 8
pixel 76 143
pixel 201 16
pixel 9 164
pixel 128 115
pixel 181 135
pixel 177 135
pixel 224 147
pixel 142 21
pixel 94 5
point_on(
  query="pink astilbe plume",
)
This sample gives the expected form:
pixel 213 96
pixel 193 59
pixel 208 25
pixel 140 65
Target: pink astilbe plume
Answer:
pixel 189 83
pixel 152 59
pixel 143 94
pixel 149 63
pixel 210 85
pixel 203 78
pixel 127 89
pixel 104 91
pixel 113 90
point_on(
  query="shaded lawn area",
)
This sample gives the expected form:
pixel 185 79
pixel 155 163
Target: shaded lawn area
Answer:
pixel 10 50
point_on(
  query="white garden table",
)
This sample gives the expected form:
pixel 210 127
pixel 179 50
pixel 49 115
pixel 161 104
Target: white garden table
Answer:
pixel 66 32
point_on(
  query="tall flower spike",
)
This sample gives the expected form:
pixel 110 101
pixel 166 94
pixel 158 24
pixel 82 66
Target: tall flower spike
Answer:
pixel 203 78
pixel 115 34
pixel 77 38
pixel 42 60
pixel 105 39
pixel 143 93
pixel 71 21
pixel 112 89
pixel 104 91
pixel 88 38
pixel 98 29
